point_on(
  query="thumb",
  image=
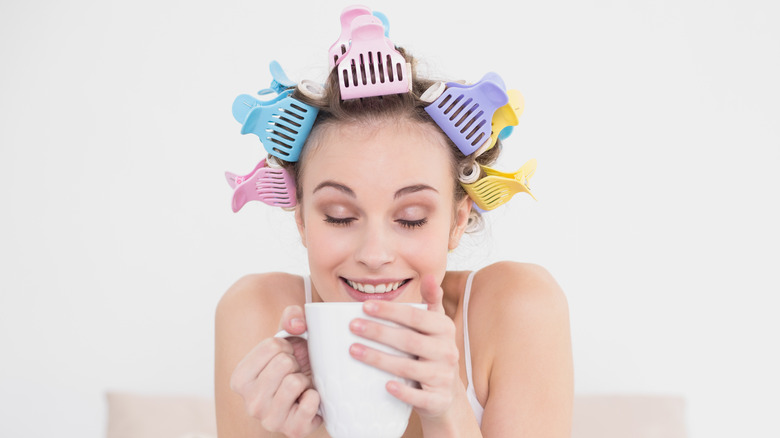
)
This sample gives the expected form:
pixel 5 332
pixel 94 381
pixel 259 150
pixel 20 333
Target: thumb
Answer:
pixel 293 320
pixel 432 293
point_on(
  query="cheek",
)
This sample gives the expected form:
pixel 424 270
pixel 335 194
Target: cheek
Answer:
pixel 426 247
pixel 324 242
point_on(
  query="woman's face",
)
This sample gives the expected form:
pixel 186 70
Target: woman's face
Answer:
pixel 378 211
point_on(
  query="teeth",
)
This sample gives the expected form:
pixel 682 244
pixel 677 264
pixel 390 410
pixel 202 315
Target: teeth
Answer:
pixel 371 289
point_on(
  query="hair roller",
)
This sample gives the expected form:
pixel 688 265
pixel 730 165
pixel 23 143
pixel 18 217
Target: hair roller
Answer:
pixel 311 89
pixel 273 162
pixel 475 222
pixel 468 172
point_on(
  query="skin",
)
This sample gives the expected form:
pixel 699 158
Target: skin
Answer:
pixel 375 210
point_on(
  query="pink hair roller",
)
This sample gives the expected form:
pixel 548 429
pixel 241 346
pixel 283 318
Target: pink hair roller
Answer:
pixel 273 186
pixel 371 66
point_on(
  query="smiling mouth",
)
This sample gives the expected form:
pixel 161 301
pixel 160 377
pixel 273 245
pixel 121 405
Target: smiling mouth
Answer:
pixel 380 288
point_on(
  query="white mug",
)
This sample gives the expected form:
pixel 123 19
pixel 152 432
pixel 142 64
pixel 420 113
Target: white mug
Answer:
pixel 353 399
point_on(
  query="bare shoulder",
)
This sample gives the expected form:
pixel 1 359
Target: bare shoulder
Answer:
pixel 251 308
pixel 518 289
pixel 521 300
pixel 520 320
pixel 261 295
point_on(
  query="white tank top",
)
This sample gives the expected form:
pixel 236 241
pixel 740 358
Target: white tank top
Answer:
pixel 470 393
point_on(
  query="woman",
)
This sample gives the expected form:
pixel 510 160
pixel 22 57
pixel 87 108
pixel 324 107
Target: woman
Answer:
pixel 379 207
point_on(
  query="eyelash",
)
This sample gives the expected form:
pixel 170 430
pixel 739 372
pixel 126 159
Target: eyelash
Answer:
pixel 343 222
pixel 413 224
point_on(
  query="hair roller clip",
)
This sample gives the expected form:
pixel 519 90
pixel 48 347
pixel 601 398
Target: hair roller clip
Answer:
pixel 503 120
pixel 341 45
pixel 280 81
pixel 497 188
pixel 282 124
pixel 372 66
pixel 465 112
pixel 273 186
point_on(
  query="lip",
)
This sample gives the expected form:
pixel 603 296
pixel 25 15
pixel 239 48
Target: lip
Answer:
pixel 362 296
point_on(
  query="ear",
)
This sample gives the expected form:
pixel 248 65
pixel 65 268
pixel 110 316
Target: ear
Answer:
pixel 299 223
pixel 461 220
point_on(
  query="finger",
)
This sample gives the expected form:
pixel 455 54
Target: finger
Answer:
pixel 421 320
pixel 305 412
pixel 256 360
pixel 432 293
pixel 423 401
pixel 259 394
pixel 401 366
pixel 281 407
pixel 277 369
pixel 293 320
pixel 425 346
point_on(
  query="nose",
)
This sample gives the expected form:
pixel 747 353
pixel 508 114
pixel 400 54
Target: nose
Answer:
pixel 375 248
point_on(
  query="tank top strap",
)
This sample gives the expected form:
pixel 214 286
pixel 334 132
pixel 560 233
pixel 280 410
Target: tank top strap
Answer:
pixel 466 346
pixel 307 287
pixel 471 393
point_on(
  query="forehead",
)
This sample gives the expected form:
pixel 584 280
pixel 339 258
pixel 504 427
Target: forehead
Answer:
pixel 390 154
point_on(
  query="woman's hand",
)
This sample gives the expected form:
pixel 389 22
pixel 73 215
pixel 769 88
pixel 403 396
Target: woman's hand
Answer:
pixel 427 334
pixel 274 379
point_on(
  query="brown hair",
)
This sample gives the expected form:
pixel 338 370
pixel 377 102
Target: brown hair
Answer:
pixel 408 106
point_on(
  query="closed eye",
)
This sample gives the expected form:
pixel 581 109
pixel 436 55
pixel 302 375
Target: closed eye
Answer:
pixel 413 224
pixel 339 221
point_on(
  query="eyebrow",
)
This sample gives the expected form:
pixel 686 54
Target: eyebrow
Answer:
pixel 413 189
pixel 335 185
pixel 346 190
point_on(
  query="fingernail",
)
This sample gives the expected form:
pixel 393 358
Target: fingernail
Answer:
pixel 370 307
pixel 357 326
pixel 357 350
pixel 393 387
pixel 296 323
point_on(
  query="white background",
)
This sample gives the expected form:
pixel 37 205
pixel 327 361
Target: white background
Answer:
pixel 655 124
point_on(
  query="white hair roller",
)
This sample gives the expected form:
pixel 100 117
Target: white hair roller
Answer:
pixel 272 162
pixel 469 172
pixel 311 89
pixel 475 222
pixel 433 92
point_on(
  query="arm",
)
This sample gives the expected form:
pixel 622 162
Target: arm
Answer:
pixel 520 318
pixel 249 360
